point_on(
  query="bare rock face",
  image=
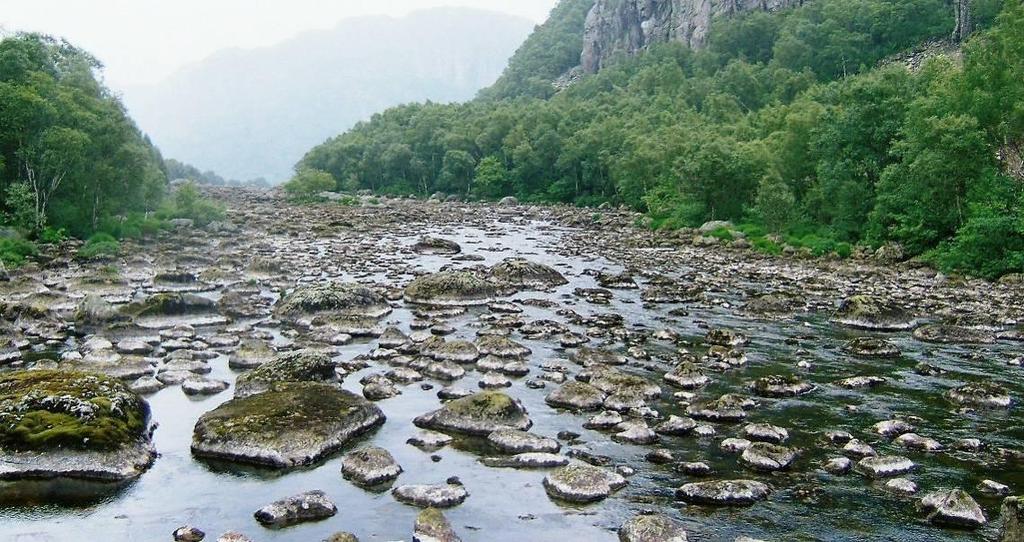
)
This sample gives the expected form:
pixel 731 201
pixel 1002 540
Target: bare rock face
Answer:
pixel 615 27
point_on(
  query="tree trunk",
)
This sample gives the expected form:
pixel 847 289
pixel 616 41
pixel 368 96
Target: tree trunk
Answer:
pixel 962 11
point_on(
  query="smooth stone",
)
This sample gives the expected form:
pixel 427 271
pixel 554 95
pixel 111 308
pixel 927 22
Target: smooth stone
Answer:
pixel 884 466
pixel 370 466
pixel 528 460
pixel 432 526
pixel 902 486
pixel 479 414
pixel 582 483
pixel 511 441
pixel 203 386
pixel 309 506
pixel 431 496
pixel 768 457
pixel 724 492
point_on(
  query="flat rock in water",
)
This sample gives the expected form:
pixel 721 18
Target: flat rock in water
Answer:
pixel 651 528
pixel 511 441
pixel 290 425
pixel 479 414
pixel 301 366
pixel 370 466
pixel 431 496
pixel 724 492
pixel 884 466
pixel 309 506
pixel 528 460
pixel 432 526
pixel 577 396
pixel 582 483
pixel 872 313
pixel 768 457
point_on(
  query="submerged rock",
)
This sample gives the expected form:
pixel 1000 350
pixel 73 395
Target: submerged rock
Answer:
pixel 290 425
pixel 309 506
pixel 871 313
pixel 724 492
pixel 431 496
pixel 953 508
pixel 780 386
pixel 651 528
pixel 432 526
pixel 582 483
pixel 450 288
pixel 64 424
pixel 370 466
pixel 953 334
pixel 872 347
pixel 479 414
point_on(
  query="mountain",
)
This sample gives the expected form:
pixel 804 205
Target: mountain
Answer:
pixel 252 113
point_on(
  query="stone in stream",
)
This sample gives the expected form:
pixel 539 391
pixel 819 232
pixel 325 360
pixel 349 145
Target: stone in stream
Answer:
pixel 432 526
pixel 169 304
pixel 901 486
pixel 587 357
pixel 309 506
pixel 1012 515
pixel 872 347
pixel 370 466
pixel 501 347
pixel 619 281
pixel 858 382
pixel 329 302
pixel 858 448
pixel 251 353
pixel 980 394
pixel 651 528
pixel 292 424
pixel 913 441
pixel 458 288
pixel 582 483
pixel 429 440
pixel 838 465
pixel 780 386
pixel 528 460
pixel 577 396
pixel 603 420
pixel 727 408
pixel 725 337
pixel 520 274
pixel 871 313
pixel 494 380
pixel 188 533
pixel 884 466
pixel 892 428
pixel 233 536
pixel 991 487
pixel 300 366
pixel 773 305
pixel 479 414
pixel 724 492
pixel 953 508
pixel 145 385
pixel 378 387
pixel 431 496
pixel 198 385
pixel 511 441
pixel 765 432
pixel 93 310
pixel 687 375
pixel 392 337
pixel 444 370
pixel 676 426
pixel 953 334
pixel 436 245
pixel 458 351
pixel 635 432
pixel 341 536
pixel 68 425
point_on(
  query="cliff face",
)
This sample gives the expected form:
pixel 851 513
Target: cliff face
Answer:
pixel 628 26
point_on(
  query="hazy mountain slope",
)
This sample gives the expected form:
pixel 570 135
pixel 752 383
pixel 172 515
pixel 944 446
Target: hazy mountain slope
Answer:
pixel 250 113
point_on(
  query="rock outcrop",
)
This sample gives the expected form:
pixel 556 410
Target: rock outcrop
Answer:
pixel 617 27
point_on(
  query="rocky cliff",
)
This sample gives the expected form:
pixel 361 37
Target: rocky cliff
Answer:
pixel 629 26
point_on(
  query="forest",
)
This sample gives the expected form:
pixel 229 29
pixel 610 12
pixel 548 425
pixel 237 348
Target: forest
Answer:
pixel 805 127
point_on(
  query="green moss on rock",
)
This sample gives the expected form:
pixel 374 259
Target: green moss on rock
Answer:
pixel 450 288
pixel 43 410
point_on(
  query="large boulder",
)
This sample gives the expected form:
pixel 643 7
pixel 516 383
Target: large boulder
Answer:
pixel 457 288
pixel 954 508
pixel 980 394
pixel 436 245
pixel 479 414
pixel 329 302
pixel 65 424
pixel 1012 515
pixel 290 425
pixel 520 273
pixel 300 366
pixel 867 312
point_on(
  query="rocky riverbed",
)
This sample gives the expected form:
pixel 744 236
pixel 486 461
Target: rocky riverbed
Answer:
pixel 435 370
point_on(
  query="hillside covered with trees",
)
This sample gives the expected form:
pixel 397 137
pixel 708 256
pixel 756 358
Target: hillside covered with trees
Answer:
pixel 790 123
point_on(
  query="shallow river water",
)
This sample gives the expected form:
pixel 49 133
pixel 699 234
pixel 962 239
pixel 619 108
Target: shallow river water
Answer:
pixel 511 505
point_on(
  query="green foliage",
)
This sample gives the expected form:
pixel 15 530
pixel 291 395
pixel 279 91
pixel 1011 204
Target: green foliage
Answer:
pixel 788 118
pixel 307 184
pixel 100 245
pixel 188 202
pixel 52 236
pixel 14 251
pixel 67 142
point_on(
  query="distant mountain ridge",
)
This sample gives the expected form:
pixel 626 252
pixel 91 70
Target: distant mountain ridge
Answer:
pixel 253 113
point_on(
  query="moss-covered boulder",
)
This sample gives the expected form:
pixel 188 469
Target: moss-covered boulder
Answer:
pixel 170 304
pixel 520 273
pixel 300 366
pixel 431 525
pixel 872 313
pixel 479 414
pixel 290 425
pixel 71 424
pixel 450 288
pixel 327 302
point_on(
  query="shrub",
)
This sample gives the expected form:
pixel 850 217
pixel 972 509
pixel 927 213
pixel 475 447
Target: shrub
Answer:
pixel 13 251
pixel 100 245
pixel 308 183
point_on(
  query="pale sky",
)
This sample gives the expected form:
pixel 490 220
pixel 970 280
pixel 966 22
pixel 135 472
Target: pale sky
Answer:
pixel 143 41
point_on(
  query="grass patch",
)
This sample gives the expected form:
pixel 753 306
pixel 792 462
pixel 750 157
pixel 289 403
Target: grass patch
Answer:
pixel 14 252
pixel 100 245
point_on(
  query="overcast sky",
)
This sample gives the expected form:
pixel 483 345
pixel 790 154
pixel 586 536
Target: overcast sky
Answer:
pixel 143 41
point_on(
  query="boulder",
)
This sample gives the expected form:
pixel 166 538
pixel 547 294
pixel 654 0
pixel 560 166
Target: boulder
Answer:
pixel 309 506
pixel 884 466
pixel 953 334
pixel 478 414
pixel 292 424
pixel 458 288
pixel 651 528
pixel 522 274
pixel 370 466
pixel 980 394
pixel 299 366
pixel 1012 516
pixel 431 496
pixel 512 441
pixel 432 526
pixel 577 396
pixel 872 347
pixel 871 313
pixel 953 508
pixel 582 483
pixel 436 245
pixel 724 492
